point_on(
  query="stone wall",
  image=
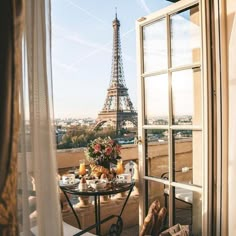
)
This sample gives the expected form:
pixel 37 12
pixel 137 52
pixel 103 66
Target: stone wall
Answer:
pixel 69 158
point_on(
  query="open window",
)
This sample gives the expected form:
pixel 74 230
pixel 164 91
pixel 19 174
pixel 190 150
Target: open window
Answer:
pixel 173 117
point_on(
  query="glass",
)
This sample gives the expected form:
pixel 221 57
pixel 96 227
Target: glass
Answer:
pixel 188 157
pixel 186 95
pixel 155 46
pixel 185 37
pixel 188 209
pixel 156 100
pixel 156 152
pixel 82 168
pixel 119 167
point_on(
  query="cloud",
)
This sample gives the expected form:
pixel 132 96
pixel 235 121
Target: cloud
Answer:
pixel 86 12
pixel 127 32
pixel 143 4
pixel 64 66
pixel 61 32
pixel 97 50
pixel 106 48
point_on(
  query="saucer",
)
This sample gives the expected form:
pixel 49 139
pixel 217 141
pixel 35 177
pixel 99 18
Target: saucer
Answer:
pixel 68 185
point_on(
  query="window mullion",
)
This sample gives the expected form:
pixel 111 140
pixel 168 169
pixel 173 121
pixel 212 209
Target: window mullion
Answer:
pixel 170 146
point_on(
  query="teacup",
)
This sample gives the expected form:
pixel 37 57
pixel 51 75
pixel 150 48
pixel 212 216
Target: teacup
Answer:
pixel 98 184
pixel 124 178
pixel 68 179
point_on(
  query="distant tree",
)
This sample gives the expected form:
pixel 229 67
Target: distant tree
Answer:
pixel 80 136
pixel 75 141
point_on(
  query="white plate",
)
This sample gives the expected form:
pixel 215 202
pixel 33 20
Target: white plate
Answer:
pixel 67 185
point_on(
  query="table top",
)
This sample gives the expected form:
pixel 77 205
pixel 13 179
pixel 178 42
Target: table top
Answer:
pixel 111 188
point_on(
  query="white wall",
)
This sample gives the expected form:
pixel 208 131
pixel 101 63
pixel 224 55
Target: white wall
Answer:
pixel 231 32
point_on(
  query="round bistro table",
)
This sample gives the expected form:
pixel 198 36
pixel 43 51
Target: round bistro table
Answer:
pixel 115 188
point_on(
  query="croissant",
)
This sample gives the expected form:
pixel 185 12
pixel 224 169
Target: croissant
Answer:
pixel 97 170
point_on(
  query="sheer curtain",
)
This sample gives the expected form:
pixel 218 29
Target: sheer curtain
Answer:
pixel 38 199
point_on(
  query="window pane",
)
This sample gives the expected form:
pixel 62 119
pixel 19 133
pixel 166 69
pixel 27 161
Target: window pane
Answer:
pixel 188 209
pixel 185 37
pixel 156 100
pixel 155 191
pixel 187 157
pixel 156 152
pixel 186 93
pixel 155 46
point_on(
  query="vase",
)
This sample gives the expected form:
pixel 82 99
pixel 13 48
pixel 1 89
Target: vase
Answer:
pixel 105 164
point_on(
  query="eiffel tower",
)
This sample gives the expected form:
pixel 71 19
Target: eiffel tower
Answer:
pixel 118 107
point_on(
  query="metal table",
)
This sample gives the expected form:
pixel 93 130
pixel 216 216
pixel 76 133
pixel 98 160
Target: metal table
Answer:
pixel 115 229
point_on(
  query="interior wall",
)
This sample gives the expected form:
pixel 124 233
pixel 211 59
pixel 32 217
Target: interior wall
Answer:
pixel 231 38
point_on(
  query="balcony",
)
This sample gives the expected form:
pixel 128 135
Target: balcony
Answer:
pixel 69 159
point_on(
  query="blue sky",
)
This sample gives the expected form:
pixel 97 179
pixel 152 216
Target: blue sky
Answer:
pixel 82 51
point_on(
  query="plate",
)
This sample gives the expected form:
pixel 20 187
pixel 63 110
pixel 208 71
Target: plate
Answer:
pixel 67 185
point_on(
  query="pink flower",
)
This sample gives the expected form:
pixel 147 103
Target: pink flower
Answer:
pixel 111 142
pixel 108 151
pixel 97 148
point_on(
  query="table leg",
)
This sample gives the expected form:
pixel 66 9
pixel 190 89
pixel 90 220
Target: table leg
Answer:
pixel 116 229
pixel 72 208
pixel 97 214
pixel 127 198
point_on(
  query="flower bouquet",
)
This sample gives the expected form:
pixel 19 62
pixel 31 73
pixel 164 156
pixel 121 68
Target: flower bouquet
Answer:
pixel 103 150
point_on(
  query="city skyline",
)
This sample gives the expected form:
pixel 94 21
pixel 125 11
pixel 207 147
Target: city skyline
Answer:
pixel 82 37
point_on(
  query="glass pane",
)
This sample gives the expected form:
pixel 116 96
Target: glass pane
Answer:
pixel 155 191
pixel 155 46
pixel 188 156
pixel 188 209
pixel 156 152
pixel 156 100
pixel 186 95
pixel 185 37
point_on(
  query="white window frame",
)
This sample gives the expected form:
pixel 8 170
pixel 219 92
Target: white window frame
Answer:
pixel 207 116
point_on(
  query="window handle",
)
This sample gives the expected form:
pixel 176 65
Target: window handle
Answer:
pixel 138 140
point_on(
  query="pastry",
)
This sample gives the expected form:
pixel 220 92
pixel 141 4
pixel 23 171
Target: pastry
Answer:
pixel 97 170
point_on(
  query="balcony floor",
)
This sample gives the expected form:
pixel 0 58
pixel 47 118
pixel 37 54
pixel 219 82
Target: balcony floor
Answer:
pixel 131 231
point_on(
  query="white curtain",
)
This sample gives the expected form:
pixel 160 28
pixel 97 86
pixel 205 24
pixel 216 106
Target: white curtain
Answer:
pixel 38 200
